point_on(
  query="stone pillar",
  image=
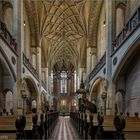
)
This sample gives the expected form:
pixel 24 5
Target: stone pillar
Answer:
pixel 88 62
pixel 24 104
pixel 49 83
pixel 1 13
pixel 34 59
pixel 93 58
pixel 58 86
pixel 46 77
pixel 82 72
pixel 18 31
pixel 38 68
pixel 111 88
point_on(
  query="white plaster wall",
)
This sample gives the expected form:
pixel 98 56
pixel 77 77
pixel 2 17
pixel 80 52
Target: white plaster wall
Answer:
pixel 134 4
pixel 119 20
pixel 8 19
pixel 133 89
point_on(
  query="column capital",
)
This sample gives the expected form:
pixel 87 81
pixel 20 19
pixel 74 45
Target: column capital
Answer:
pixel 33 49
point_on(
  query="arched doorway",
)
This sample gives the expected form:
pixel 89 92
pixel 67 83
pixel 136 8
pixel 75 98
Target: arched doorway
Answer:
pixel 29 96
pixel 119 101
pixel 97 95
pixel 8 101
pixel 7 85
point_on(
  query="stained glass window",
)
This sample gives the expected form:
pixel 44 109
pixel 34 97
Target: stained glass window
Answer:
pixel 63 82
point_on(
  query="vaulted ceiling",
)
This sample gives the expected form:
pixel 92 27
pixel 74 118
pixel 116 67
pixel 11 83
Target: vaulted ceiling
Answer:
pixel 65 28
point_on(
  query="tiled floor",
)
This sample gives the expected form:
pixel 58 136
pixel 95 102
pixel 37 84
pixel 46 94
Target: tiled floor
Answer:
pixel 64 130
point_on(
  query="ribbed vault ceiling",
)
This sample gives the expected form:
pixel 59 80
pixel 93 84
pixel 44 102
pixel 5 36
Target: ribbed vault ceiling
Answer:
pixel 62 23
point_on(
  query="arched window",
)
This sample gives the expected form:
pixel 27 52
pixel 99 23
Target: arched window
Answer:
pixel 34 60
pixel 120 101
pixel 8 101
pixel 63 82
pixel 8 15
pixel 120 18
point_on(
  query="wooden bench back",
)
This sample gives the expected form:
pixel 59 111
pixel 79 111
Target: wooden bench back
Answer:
pixel 132 123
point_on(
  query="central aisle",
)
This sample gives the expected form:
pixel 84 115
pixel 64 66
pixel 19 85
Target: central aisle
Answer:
pixel 64 130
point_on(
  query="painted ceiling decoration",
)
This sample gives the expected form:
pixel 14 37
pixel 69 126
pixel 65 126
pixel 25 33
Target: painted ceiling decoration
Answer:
pixel 63 23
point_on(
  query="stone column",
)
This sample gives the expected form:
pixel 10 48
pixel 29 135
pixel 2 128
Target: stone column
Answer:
pixel 88 62
pixel 38 68
pixel 82 72
pixel 46 77
pixel 24 103
pixel 18 31
pixel 109 23
pixel 1 13
pixel 33 51
pixel 93 58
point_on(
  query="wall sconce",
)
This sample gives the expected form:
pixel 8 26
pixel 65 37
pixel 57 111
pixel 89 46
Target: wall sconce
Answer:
pixel 104 23
pixel 24 23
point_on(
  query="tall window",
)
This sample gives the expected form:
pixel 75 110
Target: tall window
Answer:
pixel 119 19
pixel 63 82
pixel 8 15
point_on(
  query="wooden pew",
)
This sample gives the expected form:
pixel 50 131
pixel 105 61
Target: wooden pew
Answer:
pixel 131 129
pixel 8 128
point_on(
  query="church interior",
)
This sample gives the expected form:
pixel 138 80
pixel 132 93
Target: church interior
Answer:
pixel 70 69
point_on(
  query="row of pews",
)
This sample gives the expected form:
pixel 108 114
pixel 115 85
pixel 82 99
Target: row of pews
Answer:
pixel 96 126
pixel 31 126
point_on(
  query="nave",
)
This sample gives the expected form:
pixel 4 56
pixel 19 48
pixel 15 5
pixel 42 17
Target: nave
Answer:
pixel 64 130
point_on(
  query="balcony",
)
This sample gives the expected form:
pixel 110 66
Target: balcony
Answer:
pixel 127 31
pixel 98 67
pixel 30 67
pixel 7 37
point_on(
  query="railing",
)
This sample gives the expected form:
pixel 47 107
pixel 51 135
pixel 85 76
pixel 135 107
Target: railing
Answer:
pixel 4 33
pixel 30 67
pixel 44 85
pixel 132 24
pixel 98 67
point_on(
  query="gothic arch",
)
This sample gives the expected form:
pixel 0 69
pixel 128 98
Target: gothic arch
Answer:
pixel 6 63
pixel 120 101
pixel 126 58
pixel 30 94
